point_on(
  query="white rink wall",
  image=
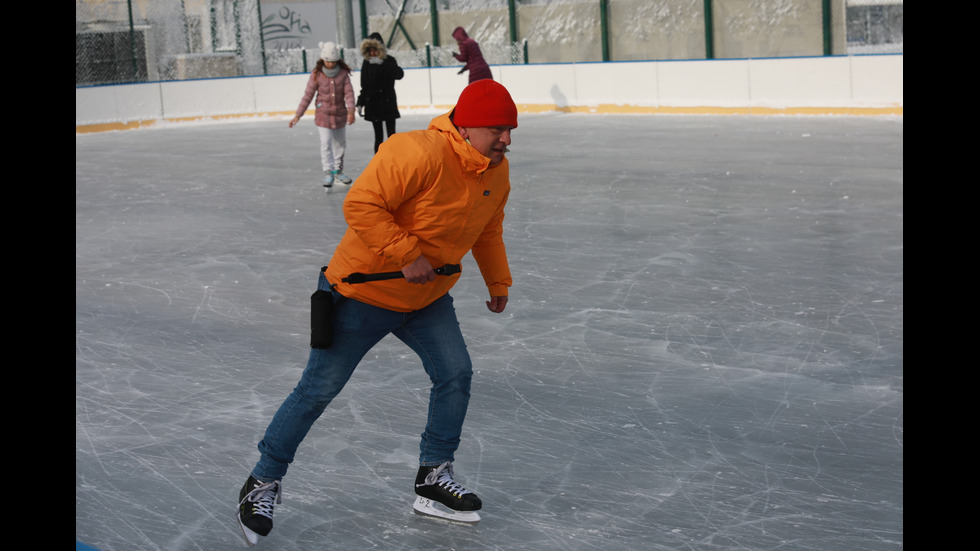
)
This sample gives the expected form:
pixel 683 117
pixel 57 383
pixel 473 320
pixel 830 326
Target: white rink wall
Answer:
pixel 818 85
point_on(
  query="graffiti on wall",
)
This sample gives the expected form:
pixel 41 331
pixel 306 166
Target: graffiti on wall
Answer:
pixel 301 25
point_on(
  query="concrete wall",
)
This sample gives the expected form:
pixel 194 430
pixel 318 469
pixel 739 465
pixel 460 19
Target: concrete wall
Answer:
pixel 831 85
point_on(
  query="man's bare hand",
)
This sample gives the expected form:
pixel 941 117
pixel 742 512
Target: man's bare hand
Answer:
pixel 419 271
pixel 497 304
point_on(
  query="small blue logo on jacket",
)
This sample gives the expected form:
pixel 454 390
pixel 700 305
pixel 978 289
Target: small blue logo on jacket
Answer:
pixel 486 193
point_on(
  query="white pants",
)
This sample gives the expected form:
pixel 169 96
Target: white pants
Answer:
pixel 333 142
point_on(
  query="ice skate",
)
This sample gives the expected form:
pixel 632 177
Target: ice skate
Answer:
pixel 255 504
pixel 438 495
pixel 341 177
pixel 328 179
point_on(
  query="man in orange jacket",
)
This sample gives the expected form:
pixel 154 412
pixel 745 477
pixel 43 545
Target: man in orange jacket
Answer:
pixel 426 199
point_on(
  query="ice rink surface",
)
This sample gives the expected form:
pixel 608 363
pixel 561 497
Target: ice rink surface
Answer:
pixel 703 348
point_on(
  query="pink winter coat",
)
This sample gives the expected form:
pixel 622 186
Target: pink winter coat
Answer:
pixel 334 97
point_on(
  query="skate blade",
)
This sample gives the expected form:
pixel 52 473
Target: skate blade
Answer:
pixel 251 538
pixel 429 508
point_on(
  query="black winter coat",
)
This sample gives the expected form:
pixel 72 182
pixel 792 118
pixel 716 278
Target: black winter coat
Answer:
pixel 378 89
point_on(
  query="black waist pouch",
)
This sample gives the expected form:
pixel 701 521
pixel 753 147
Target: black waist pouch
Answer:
pixel 321 319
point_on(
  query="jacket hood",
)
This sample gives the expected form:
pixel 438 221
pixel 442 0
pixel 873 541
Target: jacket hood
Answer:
pixel 460 34
pixel 368 43
pixel 470 158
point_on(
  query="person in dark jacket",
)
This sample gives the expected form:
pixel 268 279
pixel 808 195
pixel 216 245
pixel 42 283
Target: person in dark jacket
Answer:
pixel 471 56
pixel 377 98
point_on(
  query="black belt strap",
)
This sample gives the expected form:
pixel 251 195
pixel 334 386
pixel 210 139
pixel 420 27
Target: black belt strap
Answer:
pixel 357 277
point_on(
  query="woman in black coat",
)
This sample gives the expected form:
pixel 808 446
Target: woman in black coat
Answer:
pixel 377 98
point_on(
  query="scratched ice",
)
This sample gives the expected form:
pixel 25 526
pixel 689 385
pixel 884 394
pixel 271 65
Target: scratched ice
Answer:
pixel 703 348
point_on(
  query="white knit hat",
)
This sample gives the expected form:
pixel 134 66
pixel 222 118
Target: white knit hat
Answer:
pixel 329 51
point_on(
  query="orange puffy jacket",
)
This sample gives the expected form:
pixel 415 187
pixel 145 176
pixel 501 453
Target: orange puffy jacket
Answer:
pixel 426 192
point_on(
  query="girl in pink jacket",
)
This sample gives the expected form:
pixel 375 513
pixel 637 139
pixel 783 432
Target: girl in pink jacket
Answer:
pixel 330 82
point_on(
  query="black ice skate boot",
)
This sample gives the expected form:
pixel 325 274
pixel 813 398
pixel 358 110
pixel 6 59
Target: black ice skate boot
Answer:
pixel 255 504
pixel 442 497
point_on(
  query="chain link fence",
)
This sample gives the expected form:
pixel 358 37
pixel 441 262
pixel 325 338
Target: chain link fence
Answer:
pixel 130 41
pixel 124 41
pixel 875 27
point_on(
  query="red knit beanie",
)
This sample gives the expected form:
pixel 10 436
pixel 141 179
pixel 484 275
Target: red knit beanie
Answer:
pixel 485 103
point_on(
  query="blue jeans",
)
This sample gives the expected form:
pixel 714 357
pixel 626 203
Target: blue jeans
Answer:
pixel 432 332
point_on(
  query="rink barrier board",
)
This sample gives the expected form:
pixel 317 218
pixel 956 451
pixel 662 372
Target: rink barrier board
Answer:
pixel 848 85
pixel 537 109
